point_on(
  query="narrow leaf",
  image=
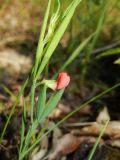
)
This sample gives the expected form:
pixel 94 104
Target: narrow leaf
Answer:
pixel 41 101
pixel 22 134
pixel 98 140
pixel 41 38
pixel 57 36
pixel 52 103
pixel 53 22
pixel 109 52
pixel 23 126
pixel 56 10
pixel 76 52
pixel 13 109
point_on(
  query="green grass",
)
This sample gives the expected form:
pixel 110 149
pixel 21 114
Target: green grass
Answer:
pixel 98 141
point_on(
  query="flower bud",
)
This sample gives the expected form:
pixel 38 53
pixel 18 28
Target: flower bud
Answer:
pixel 63 80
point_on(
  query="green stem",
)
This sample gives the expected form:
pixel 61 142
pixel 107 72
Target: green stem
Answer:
pixel 13 109
pixel 98 140
pixel 32 100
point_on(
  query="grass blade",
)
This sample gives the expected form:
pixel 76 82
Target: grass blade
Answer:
pixel 41 39
pixel 101 20
pixel 110 52
pixel 22 133
pixel 13 109
pixel 53 21
pixel 7 90
pixel 98 140
pixel 76 52
pixel 41 102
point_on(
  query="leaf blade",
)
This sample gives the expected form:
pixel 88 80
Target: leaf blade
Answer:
pixel 57 36
pixel 52 103
pixel 41 102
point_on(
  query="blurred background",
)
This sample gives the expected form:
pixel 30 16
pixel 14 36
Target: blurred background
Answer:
pixel 95 69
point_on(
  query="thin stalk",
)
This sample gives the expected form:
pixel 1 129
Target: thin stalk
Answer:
pixel 32 101
pixel 98 140
pixel 13 109
pixel 69 115
pixel 27 139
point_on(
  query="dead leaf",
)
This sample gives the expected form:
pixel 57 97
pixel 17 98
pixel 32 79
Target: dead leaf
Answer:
pixel 67 144
pixel 103 116
pixel 114 143
pixel 112 131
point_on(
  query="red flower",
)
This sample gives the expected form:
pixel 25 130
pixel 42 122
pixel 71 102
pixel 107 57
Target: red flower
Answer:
pixel 63 80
